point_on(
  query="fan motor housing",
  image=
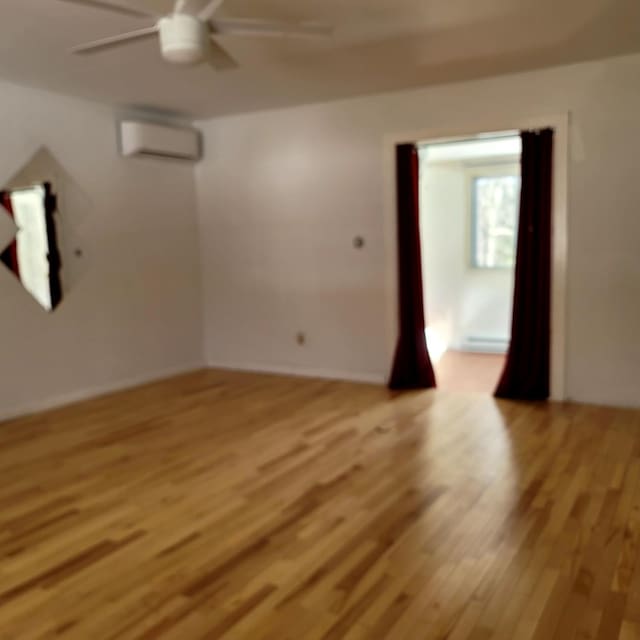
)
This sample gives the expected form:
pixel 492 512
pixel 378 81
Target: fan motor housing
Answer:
pixel 182 38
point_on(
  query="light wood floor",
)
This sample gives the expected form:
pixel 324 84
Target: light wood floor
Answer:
pixel 469 372
pixel 222 505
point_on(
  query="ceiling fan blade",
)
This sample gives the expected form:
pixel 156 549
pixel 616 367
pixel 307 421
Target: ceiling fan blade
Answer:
pixel 267 28
pixel 210 9
pixel 114 41
pixel 107 6
pixel 219 58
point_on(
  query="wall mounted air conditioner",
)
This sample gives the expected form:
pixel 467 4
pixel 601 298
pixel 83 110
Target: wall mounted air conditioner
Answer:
pixel 159 141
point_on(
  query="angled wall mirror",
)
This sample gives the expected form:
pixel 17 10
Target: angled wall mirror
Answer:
pixel 41 208
pixel 34 256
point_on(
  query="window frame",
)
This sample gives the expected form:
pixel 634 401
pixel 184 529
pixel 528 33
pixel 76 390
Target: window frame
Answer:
pixel 497 170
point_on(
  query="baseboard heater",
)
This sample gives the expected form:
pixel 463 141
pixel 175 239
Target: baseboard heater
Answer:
pixel 485 344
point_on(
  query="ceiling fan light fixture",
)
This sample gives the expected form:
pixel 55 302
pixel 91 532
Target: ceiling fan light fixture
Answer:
pixel 187 38
pixel 183 39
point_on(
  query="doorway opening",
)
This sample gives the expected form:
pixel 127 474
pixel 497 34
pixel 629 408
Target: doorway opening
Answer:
pixel 469 209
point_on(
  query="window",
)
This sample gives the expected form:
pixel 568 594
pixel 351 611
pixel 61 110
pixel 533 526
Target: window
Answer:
pixel 495 201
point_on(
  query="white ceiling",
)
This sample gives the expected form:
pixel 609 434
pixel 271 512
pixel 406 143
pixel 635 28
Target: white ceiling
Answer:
pixel 379 45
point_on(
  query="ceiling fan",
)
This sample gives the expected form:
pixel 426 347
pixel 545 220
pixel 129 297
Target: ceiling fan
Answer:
pixel 188 37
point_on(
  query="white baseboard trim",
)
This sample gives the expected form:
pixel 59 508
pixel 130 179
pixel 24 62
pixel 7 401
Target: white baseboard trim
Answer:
pixel 54 402
pixel 300 372
pixel 61 400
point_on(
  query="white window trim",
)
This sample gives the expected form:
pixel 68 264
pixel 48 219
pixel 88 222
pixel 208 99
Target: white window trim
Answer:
pixel 473 173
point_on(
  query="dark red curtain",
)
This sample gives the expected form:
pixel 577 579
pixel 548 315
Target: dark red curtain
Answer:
pixel 412 367
pixel 526 374
pixel 10 255
pixel 53 253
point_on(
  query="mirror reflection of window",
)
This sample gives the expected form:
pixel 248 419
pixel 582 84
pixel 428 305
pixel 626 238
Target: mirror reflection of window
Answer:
pixel 33 257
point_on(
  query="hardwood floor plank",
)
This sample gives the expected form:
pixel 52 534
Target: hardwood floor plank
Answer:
pixel 241 506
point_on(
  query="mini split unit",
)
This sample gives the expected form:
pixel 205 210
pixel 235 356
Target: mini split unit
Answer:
pixel 160 141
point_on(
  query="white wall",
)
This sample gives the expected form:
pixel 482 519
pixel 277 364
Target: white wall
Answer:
pixel 443 209
pixel 461 302
pixel 136 313
pixel 282 193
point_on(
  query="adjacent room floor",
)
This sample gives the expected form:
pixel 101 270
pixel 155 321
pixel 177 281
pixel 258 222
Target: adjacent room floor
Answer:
pixel 220 505
pixel 469 372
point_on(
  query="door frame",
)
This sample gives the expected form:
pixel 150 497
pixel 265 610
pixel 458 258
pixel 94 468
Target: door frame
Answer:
pixel 560 209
